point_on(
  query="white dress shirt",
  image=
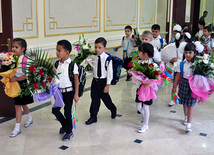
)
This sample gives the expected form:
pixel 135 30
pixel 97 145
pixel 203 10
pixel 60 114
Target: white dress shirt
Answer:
pixel 156 42
pixel 64 75
pixel 130 43
pixel 19 71
pixel 93 61
pixel 199 33
pixel 187 71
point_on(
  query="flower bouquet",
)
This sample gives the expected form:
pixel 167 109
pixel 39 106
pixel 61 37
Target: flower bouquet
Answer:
pixel 201 82
pixel 147 73
pixel 40 74
pixel 137 37
pixel 8 66
pixel 83 49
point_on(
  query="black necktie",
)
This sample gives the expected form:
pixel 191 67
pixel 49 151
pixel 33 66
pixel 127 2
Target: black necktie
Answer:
pixel 99 67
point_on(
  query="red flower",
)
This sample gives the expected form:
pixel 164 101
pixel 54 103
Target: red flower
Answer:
pixel 145 64
pixel 32 68
pixel 136 36
pixel 41 72
pixel 156 73
pixel 130 64
pixel 43 84
pixel 50 79
pixel 35 85
pixel 151 65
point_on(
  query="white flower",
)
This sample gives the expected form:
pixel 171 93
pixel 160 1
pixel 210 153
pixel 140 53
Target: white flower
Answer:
pixel 212 65
pixel 85 47
pixel 206 61
pixel 206 56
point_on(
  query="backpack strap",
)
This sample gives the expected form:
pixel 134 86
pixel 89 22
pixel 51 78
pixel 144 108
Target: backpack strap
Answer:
pixel 109 58
pixel 56 64
pixel 24 64
pixel 181 71
pixel 161 41
pixel 70 72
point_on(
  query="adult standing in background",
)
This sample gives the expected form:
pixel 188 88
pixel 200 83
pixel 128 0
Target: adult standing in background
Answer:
pixel 202 17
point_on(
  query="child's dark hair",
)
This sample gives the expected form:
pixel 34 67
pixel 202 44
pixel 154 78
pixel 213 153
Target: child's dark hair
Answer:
pixel 65 44
pixel 128 27
pixel 22 43
pixel 184 26
pixel 208 28
pixel 101 40
pixel 156 27
pixel 147 48
pixel 191 47
pixel 201 23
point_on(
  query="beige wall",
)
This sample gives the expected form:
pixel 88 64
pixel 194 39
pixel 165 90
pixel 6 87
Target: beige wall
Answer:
pixel 44 22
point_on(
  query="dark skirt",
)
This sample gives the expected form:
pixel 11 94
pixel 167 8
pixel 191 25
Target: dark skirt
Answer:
pixel 184 93
pixel 24 99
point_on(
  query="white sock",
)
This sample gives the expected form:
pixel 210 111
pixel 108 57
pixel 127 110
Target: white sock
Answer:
pixel 146 114
pixel 185 118
pixel 139 108
pixel 29 117
pixel 188 125
pixel 17 126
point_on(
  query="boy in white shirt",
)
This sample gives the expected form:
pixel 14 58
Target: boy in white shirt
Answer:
pixel 201 25
pixel 102 77
pixel 157 40
pixel 147 38
pixel 128 43
pixel 66 87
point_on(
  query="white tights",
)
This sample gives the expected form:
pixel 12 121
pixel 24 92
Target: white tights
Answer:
pixel 144 111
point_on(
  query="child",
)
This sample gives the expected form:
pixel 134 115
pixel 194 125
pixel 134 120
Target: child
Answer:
pixel 184 89
pixel 102 77
pixel 19 47
pixel 185 27
pixel 63 50
pixel 157 40
pixel 176 29
pixel 147 38
pixel 146 52
pixel 201 25
pixel 128 43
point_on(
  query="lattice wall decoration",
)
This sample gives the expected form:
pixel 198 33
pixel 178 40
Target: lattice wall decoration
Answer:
pixel 147 13
pixel 116 18
pixel 25 18
pixel 77 16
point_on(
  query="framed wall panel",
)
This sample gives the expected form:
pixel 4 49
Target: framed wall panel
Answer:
pixel 77 16
pixel 147 13
pixel 118 14
pixel 25 18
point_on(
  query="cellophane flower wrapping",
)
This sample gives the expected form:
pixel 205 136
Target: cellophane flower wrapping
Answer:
pixel 8 66
pixel 83 49
pixel 201 82
pixel 147 73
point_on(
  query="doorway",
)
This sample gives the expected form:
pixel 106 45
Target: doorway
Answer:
pixel 6 35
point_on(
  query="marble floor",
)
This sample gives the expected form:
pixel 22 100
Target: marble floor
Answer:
pixel 166 135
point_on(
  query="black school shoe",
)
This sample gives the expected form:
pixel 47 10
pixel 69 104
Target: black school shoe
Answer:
pixel 62 130
pixel 114 114
pixel 90 121
pixel 67 136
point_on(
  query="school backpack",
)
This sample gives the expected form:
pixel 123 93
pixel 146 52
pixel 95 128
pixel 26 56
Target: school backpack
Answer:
pixel 117 64
pixel 181 70
pixel 81 76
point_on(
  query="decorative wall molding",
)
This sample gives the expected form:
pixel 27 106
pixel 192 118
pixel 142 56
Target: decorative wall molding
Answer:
pixel 147 13
pixel 73 18
pixel 116 18
pixel 25 18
